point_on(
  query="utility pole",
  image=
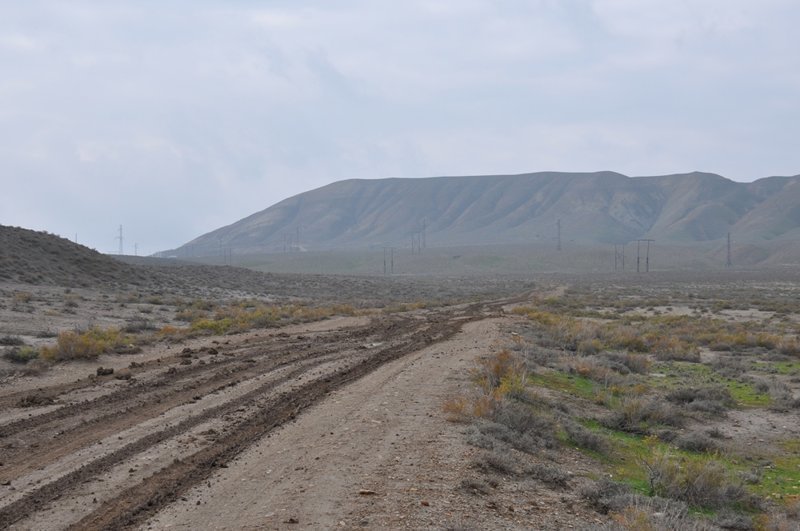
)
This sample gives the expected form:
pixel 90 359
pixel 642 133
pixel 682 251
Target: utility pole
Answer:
pixel 120 240
pixel 558 226
pixel 729 262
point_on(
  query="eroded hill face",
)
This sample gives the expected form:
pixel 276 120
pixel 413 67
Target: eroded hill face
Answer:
pixel 594 208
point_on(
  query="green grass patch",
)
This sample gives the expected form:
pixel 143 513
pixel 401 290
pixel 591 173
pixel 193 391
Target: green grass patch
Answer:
pixel 787 368
pixel 684 374
pixel 782 477
pixel 566 383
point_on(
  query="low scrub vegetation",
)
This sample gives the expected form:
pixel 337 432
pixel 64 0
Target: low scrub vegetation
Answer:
pixel 75 345
pixel 655 380
pixel 202 318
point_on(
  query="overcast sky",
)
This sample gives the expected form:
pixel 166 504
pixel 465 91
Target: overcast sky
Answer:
pixel 174 118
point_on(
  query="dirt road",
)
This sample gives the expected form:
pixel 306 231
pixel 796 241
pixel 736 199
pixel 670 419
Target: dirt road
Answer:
pixel 265 431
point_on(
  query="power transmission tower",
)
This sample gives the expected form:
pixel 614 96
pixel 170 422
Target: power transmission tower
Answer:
pixel 120 240
pixel 388 267
pixel 647 255
pixel 558 226
pixel 729 262
pixel 416 242
pixel 619 256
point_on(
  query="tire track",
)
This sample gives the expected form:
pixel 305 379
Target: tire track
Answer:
pixel 264 410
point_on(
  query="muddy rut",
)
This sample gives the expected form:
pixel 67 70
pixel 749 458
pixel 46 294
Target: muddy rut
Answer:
pixel 189 413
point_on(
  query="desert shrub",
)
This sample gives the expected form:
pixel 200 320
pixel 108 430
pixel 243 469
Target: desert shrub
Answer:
pixel 517 426
pixel 211 326
pixel 188 315
pixel 497 462
pixel 642 513
pixel 22 297
pixel 705 399
pixel 636 363
pixel 588 347
pixel 22 354
pixel 11 341
pixel 74 345
pixel 789 347
pixel 638 415
pixel 734 521
pixel 136 326
pixel 524 424
pixel 699 483
pixel 71 301
pixel 695 441
pixel 549 475
pixel 479 439
pixel 729 366
pixel 594 370
pixel 475 486
pixel 585 438
pixel 501 374
pixel 781 397
pixel 606 496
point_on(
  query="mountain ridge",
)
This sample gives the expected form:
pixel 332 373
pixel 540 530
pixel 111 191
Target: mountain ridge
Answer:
pixel 596 207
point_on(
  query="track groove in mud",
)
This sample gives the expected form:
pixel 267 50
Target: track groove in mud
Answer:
pixel 80 424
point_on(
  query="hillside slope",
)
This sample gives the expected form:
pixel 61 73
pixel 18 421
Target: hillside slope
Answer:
pixel 594 208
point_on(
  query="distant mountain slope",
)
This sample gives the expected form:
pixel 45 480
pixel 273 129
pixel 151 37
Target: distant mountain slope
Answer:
pixel 602 207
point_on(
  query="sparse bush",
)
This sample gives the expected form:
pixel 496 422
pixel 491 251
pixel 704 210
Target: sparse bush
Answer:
pixel 700 483
pixel 715 400
pixel 72 345
pixel 136 326
pixel 475 486
pixel 585 438
pixel 11 341
pixel 501 374
pixel 594 370
pixel 496 462
pixel 549 475
pixel 22 297
pixel 638 415
pixel 518 427
pixel 695 441
pixel 22 354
